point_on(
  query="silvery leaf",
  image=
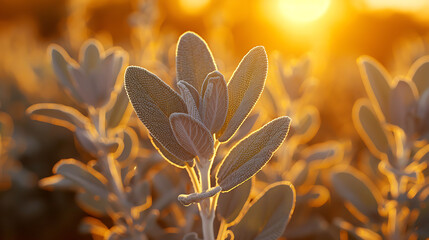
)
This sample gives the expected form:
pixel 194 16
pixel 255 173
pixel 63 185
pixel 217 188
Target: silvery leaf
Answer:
pixel 58 114
pixel 252 153
pixel 215 101
pixel 173 160
pixel 376 81
pixel 308 123
pixel 419 73
pixel 402 102
pixel 84 176
pixel 154 102
pixel 120 112
pixel 194 92
pixel 357 189
pixel 60 62
pixel 369 128
pixel 268 215
pixel 244 90
pixel 189 100
pixel 90 54
pixel 194 60
pixel 192 135
pixel 230 203
pixel 130 149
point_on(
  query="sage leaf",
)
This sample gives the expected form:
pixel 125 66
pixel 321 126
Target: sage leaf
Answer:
pixel 231 203
pixel 419 73
pixel 215 102
pixel 370 128
pixel 192 135
pixel 268 215
pixel 84 176
pixel 189 100
pixel 119 114
pixel 154 102
pixel 60 62
pixel 244 90
pixel 194 59
pixel 357 189
pixel 402 102
pixel 376 81
pixel 58 114
pixel 252 153
pixel 173 160
pixel 187 199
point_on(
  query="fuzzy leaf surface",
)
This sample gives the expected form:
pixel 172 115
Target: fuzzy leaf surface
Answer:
pixel 192 135
pixel 154 102
pixel 244 90
pixel 194 60
pixel 252 153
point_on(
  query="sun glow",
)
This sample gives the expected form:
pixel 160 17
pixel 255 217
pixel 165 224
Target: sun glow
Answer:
pixel 302 11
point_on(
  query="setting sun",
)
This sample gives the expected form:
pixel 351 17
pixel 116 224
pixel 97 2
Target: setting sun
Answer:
pixel 302 11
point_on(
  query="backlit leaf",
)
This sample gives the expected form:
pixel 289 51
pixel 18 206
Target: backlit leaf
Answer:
pixel 194 60
pixel 230 203
pixel 215 102
pixel 84 176
pixel 419 73
pixel 244 90
pixel 358 190
pixel 376 81
pixel 154 102
pixel 192 135
pixel 120 112
pixel 58 114
pixel 369 128
pixel 166 154
pixel 403 99
pixel 189 100
pixel 252 153
pixel 267 217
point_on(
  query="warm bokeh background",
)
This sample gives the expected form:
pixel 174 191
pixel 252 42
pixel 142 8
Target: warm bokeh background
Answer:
pixel 333 33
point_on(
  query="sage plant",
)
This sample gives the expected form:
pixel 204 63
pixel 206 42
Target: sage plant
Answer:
pixel 393 124
pixel 109 184
pixel 187 129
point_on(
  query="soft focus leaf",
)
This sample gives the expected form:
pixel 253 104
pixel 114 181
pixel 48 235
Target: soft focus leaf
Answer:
pixel 358 190
pixel 58 114
pixel 215 101
pixel 82 175
pixel 60 62
pixel 120 112
pixel 402 102
pixel 131 147
pixel 244 90
pixel 154 102
pixel 252 153
pixel 90 54
pixel 307 125
pixel 376 81
pixel 230 203
pixel 56 182
pixel 419 73
pixel 369 128
pixel 192 135
pixel 268 214
pixel 93 226
pixel 194 60
pixel 92 204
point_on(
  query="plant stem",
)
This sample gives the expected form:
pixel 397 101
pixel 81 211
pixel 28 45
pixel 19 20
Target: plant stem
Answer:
pixel 205 207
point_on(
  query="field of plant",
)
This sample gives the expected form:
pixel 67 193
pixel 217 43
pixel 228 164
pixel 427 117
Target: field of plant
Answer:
pixel 214 119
